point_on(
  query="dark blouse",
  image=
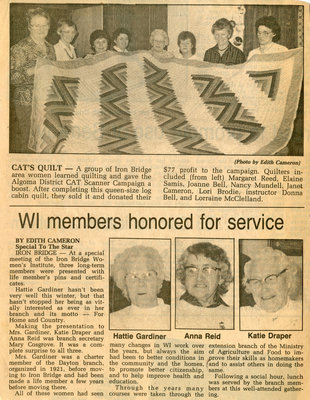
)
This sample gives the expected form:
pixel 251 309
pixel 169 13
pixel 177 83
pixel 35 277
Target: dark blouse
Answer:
pixel 231 56
pixel 24 55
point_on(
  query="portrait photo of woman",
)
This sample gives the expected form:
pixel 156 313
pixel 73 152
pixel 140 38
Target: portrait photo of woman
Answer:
pixel 138 274
pixel 204 275
pixel 271 284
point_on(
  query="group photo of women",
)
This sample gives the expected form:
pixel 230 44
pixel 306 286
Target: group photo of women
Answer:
pixel 221 35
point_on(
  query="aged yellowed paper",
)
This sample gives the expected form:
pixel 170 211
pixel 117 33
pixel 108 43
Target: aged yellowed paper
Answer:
pixel 155 221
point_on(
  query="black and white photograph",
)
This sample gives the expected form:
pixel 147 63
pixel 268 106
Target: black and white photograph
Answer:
pixel 271 284
pixel 204 283
pixel 161 79
pixel 140 288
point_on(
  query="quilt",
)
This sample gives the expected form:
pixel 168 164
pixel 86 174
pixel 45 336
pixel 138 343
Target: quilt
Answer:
pixel 136 104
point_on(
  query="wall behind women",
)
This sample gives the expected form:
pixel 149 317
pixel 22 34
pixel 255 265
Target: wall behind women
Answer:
pixel 18 22
pixel 199 21
pixel 290 19
pixel 87 19
pixel 139 20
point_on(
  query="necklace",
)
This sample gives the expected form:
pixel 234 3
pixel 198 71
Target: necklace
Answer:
pixel 222 50
pixel 69 55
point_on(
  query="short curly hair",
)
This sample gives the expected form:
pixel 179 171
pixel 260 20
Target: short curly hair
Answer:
pixel 161 32
pixel 98 34
pixel 271 23
pixel 188 35
pixel 119 266
pixel 62 22
pixel 119 31
pixel 271 256
pixel 223 23
pixel 33 12
pixel 215 253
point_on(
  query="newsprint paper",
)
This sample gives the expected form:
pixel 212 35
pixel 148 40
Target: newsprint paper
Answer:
pixel 155 200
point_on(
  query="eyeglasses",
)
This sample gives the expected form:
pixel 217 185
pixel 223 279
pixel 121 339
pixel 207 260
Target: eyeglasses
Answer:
pixel 40 26
pixel 264 33
pixel 69 31
pixel 270 280
pixel 221 35
pixel 206 271
pixel 146 276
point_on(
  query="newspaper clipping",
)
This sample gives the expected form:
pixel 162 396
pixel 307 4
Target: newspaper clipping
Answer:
pixel 155 193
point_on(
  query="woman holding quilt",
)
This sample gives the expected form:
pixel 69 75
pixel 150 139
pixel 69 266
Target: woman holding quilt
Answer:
pixel 223 52
pixel 268 33
pixel 99 42
pixel 24 56
pixel 159 41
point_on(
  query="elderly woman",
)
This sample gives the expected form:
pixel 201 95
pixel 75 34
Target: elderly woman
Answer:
pixel 138 272
pixel 187 45
pixel 204 270
pixel 223 52
pixel 67 31
pixel 159 41
pixel 268 33
pixel 99 42
pixel 24 55
pixel 121 38
pixel 269 277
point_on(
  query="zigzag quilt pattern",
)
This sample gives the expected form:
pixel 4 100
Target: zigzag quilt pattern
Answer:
pixel 136 104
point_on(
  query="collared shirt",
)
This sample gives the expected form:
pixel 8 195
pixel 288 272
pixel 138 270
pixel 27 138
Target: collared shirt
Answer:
pixel 24 55
pixel 63 52
pixel 231 56
pixel 192 300
pixel 189 316
pixel 272 48
pixel 90 55
pixel 118 50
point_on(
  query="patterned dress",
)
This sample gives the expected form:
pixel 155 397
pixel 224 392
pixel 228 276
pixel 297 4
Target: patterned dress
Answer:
pixel 24 55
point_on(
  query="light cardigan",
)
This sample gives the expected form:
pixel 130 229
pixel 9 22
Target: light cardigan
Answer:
pixel 195 317
pixel 287 318
pixel 63 53
pixel 133 317
pixel 273 48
